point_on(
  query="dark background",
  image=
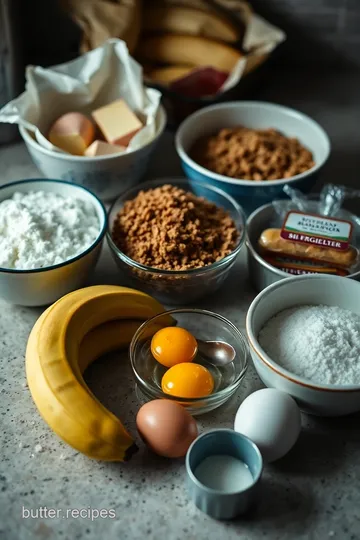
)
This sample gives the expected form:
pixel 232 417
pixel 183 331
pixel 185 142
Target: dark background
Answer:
pixel 323 37
pixel 321 33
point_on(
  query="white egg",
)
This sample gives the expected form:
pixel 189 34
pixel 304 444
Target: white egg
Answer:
pixel 272 420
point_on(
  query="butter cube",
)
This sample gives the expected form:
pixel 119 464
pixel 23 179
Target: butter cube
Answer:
pixel 117 122
pixel 101 148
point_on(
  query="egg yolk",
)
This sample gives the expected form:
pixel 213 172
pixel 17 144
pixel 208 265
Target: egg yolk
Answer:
pixel 187 380
pixel 173 345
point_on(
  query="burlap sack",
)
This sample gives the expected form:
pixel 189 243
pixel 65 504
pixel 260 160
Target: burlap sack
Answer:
pixel 103 19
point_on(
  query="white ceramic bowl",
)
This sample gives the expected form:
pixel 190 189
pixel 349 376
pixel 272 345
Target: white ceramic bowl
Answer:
pixel 40 287
pixel 256 115
pixel 314 398
pixel 106 176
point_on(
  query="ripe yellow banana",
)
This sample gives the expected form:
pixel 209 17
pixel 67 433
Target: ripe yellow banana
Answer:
pixel 112 336
pixel 105 338
pixel 169 74
pixel 189 50
pixel 56 358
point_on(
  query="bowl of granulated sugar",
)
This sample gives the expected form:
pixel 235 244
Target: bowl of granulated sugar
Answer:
pixel 304 336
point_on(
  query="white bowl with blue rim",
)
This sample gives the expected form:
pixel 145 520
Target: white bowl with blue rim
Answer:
pixel 106 176
pixel 257 115
pixel 43 286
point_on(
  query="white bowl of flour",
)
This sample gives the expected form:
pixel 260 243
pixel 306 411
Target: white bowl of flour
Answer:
pixel 51 233
pixel 304 335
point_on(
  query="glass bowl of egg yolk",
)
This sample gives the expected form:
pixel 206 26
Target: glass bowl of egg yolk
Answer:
pixel 167 363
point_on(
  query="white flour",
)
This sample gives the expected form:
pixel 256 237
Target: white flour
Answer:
pixel 319 343
pixel 40 229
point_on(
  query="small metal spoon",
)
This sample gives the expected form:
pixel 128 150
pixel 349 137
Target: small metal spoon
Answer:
pixel 217 353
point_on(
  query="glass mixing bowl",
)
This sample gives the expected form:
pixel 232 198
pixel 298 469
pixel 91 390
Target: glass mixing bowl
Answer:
pixel 204 325
pixel 171 286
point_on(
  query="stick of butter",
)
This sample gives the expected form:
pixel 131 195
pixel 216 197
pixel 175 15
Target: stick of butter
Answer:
pixel 272 242
pixel 101 148
pixel 117 122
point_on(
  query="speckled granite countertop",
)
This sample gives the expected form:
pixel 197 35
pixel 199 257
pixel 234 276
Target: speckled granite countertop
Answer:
pixel 312 493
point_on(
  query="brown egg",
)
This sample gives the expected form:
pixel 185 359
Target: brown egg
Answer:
pixel 73 132
pixel 166 427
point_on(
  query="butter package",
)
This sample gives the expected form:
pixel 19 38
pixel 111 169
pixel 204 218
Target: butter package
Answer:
pixel 272 241
pixel 297 267
pixel 314 235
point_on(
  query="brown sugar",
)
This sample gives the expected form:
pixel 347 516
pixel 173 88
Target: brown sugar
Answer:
pixel 171 229
pixel 251 154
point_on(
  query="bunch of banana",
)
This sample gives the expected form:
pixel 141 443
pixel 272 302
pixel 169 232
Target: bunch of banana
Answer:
pixel 178 39
pixel 67 337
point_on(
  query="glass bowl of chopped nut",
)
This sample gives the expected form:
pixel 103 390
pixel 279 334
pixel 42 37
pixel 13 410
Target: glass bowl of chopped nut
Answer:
pixel 174 239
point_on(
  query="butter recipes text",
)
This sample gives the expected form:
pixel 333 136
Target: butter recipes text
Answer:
pixel 43 512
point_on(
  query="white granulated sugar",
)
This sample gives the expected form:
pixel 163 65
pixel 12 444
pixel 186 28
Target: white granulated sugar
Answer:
pixel 40 229
pixel 318 343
